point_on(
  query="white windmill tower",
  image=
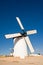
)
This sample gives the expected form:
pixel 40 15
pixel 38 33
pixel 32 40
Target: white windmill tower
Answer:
pixel 21 40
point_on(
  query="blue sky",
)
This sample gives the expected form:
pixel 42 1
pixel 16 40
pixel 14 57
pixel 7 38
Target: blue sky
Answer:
pixel 31 14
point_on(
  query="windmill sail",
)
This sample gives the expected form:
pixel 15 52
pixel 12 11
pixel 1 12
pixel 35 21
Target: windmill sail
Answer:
pixel 31 32
pixel 29 43
pixel 13 35
pixel 21 26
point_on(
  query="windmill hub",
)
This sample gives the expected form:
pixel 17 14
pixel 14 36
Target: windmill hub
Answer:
pixel 24 34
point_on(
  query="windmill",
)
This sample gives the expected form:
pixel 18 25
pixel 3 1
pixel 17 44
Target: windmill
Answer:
pixel 21 40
